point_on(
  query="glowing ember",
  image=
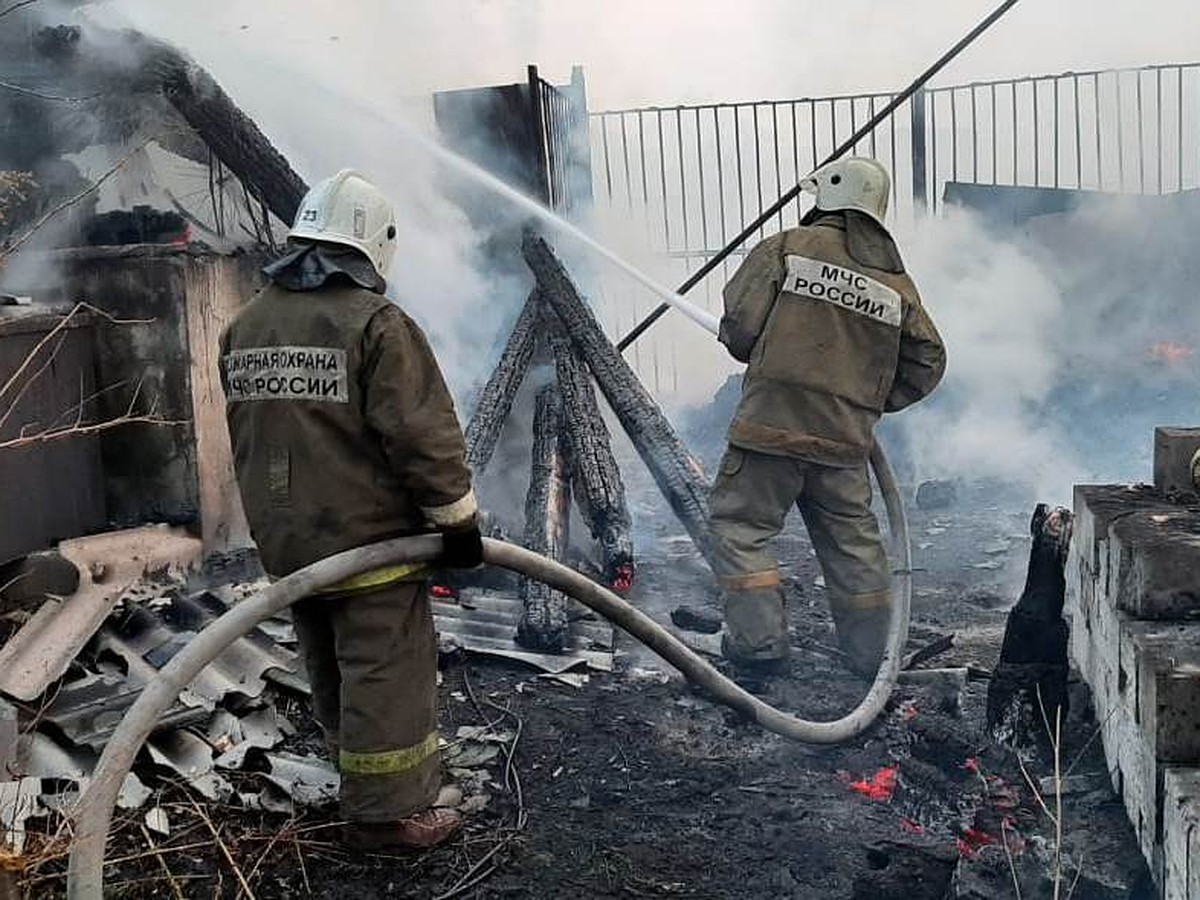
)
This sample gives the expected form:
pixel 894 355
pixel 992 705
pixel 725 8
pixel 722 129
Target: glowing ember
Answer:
pixel 623 582
pixel 972 841
pixel 880 788
pixel 912 827
pixel 1170 352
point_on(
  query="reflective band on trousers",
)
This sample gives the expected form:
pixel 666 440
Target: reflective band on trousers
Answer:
pixel 753 581
pixel 377 578
pixel 387 762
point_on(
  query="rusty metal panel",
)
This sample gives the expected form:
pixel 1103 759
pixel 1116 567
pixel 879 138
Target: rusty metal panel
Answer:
pixel 55 489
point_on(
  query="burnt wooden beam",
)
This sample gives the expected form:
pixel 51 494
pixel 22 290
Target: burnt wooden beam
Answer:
pixel 496 399
pixel 676 472
pixel 127 63
pixel 599 488
pixel 231 134
pixel 544 624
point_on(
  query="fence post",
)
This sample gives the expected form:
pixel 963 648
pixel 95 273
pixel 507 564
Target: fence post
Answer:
pixel 537 116
pixel 919 164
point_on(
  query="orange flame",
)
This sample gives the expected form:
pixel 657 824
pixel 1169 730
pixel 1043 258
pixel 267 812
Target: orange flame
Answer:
pixel 1170 352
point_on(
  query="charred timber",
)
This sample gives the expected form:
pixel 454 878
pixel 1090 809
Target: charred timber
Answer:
pixel 599 488
pixel 675 470
pixel 544 624
pixel 1028 689
pixel 231 134
pixel 496 399
pixel 150 66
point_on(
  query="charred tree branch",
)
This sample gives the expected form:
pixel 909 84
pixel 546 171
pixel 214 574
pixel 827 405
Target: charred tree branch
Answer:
pixel 599 489
pixel 675 470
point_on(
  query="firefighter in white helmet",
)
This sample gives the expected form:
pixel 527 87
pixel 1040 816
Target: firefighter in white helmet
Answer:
pixel 344 434
pixel 834 334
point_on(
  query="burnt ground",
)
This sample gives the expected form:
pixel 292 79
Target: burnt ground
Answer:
pixel 633 786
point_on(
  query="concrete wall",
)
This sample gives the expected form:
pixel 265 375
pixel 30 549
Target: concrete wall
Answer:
pixel 1133 597
pixel 55 489
pixel 173 304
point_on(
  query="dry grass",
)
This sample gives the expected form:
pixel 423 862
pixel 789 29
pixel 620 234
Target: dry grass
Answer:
pixel 1055 816
pixel 15 189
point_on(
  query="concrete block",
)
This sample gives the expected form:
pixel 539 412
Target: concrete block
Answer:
pixel 1097 506
pixel 1181 834
pixel 1136 778
pixel 1080 597
pixel 1096 645
pixel 1173 452
pixel 1089 578
pixel 1154 560
pixel 1163 659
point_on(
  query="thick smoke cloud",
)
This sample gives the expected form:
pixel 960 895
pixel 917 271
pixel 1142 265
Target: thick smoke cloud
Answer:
pixel 327 110
pixel 1069 340
pixel 639 53
pixel 1051 333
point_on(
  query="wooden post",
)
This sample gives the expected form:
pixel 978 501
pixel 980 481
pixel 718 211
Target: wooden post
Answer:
pixel 599 489
pixel 544 625
pixel 496 399
pixel 676 472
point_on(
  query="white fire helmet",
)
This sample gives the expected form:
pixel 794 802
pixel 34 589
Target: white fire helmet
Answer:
pixel 855 182
pixel 350 211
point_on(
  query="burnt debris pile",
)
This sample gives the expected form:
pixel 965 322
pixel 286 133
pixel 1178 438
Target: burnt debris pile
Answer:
pixel 572 457
pixel 71 94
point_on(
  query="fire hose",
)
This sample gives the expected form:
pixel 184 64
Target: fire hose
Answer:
pixel 85 875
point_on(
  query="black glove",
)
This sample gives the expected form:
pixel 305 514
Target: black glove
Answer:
pixel 462 548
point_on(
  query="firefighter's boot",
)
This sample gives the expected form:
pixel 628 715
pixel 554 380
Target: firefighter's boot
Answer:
pixel 756 627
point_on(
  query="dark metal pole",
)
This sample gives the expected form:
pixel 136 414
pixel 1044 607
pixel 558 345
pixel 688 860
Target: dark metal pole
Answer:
pixel 766 214
pixel 919 164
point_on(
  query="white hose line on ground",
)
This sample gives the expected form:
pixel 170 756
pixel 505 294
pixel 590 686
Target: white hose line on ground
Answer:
pixel 93 816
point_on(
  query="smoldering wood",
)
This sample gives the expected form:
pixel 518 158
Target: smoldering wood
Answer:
pixel 125 69
pixel 496 399
pixel 676 472
pixel 599 488
pixel 230 133
pixel 544 625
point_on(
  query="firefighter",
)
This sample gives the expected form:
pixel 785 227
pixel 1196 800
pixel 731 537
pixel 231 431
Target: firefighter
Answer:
pixel 344 434
pixel 834 335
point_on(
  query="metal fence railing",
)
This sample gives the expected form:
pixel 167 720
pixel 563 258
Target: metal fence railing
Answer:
pixel 1121 130
pixel 675 183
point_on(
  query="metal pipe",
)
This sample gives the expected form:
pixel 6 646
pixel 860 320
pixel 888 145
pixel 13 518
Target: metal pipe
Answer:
pixel 842 150
pixel 93 816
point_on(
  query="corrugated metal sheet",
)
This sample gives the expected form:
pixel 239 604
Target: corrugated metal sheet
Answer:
pixel 109 564
pixel 149 635
pixel 87 711
pixel 487 623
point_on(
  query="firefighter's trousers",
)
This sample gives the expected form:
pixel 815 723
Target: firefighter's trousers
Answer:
pixel 372 660
pixel 750 501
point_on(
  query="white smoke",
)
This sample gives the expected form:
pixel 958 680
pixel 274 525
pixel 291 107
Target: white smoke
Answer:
pixel 327 110
pixel 998 311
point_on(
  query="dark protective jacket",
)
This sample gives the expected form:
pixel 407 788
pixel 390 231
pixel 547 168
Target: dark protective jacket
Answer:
pixel 343 430
pixel 831 344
